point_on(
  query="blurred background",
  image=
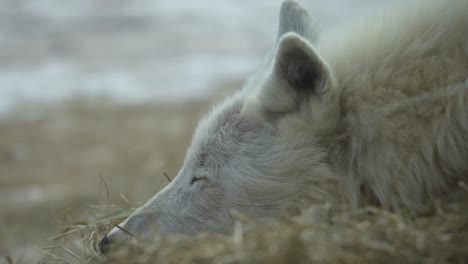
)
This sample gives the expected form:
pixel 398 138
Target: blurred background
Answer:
pixel 99 97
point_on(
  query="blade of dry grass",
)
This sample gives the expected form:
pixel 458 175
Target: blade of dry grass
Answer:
pixel 50 254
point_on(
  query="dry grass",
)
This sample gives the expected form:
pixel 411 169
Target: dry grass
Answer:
pixel 54 162
pixel 93 161
pixel 320 235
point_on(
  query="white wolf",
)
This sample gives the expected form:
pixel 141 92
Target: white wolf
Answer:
pixel 375 113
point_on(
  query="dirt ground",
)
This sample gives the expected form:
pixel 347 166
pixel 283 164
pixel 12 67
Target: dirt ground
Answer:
pixel 57 162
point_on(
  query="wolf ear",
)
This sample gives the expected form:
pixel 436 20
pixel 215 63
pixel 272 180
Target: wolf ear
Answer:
pixel 298 76
pixel 299 66
pixel 295 18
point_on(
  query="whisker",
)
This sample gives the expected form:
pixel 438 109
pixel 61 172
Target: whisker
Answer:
pixel 126 232
pixel 167 177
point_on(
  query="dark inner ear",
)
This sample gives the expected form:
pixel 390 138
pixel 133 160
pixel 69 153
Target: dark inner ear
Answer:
pixel 299 73
pixel 300 67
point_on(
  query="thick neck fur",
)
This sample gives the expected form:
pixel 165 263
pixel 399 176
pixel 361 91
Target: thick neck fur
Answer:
pixel 402 99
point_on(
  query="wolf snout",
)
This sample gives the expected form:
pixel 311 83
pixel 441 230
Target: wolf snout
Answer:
pixel 104 245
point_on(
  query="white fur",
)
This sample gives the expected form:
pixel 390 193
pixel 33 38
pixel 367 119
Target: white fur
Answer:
pixel 374 113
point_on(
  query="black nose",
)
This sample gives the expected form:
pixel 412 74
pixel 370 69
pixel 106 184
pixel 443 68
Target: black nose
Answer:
pixel 104 245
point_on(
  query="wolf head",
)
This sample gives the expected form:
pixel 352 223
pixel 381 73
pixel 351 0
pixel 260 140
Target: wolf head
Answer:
pixel 260 152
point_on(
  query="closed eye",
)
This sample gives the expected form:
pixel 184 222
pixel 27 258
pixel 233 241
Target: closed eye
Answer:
pixel 195 179
pixel 202 159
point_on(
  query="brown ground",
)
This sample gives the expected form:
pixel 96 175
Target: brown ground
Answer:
pixel 54 162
